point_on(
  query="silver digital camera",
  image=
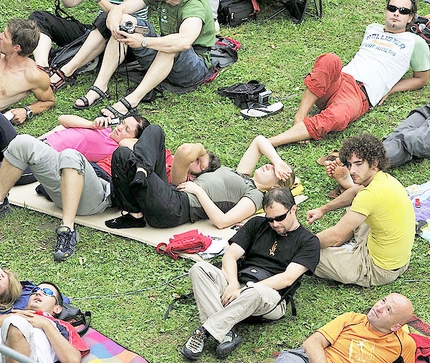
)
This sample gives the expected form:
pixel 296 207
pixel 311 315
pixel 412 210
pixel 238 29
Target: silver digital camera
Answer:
pixel 264 97
pixel 130 28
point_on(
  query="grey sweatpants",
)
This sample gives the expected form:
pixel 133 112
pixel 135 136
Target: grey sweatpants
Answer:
pixel 47 163
pixel 410 139
pixel 209 284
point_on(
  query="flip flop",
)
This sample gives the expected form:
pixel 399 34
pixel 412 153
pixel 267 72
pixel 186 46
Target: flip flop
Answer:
pixel 86 105
pixel 332 156
pixel 259 111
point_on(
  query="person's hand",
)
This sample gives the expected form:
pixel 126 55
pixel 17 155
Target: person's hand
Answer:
pixel 204 161
pixel 313 215
pixel 230 294
pixel 189 187
pixel 132 40
pixel 34 319
pixel 114 19
pixel 19 116
pixel 101 122
pixel 383 99
pixel 282 171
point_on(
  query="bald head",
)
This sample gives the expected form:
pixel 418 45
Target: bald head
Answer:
pixel 390 313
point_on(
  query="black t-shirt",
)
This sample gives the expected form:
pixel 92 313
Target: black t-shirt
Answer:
pixel 266 249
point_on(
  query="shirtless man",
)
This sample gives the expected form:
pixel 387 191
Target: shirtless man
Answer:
pixel 19 75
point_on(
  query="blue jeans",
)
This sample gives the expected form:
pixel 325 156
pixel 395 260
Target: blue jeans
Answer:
pixel 189 69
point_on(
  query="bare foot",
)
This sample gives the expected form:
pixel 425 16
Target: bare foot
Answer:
pixel 335 169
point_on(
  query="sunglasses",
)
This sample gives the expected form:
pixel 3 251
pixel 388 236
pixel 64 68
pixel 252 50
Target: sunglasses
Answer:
pixel 277 218
pixel 403 11
pixel 45 290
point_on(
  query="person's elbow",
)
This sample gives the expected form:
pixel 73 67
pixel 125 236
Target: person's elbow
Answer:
pixel 220 224
pixel 338 238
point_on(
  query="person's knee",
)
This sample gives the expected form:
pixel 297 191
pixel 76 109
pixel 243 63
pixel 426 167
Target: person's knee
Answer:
pixel 72 159
pixel 155 131
pixel 21 142
pixel 329 60
pixel 197 269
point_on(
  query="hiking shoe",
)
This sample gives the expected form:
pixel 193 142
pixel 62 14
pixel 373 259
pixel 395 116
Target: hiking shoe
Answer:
pixel 193 348
pixel 126 221
pixel 5 208
pixel 230 342
pixel 66 243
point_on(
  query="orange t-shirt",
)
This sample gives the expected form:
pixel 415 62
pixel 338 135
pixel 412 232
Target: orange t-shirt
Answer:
pixel 353 341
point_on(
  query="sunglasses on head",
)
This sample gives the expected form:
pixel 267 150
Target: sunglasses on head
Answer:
pixel 402 10
pixel 45 290
pixel 277 218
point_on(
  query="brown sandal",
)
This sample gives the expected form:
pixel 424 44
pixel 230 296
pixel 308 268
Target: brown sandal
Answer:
pixel 63 82
pixel 332 156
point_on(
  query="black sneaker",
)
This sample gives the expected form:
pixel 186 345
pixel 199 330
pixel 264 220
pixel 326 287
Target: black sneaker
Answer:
pixel 126 221
pixel 66 243
pixel 193 348
pixel 5 208
pixel 230 342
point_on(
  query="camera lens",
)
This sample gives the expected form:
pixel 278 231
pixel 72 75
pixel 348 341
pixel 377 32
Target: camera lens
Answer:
pixel 127 26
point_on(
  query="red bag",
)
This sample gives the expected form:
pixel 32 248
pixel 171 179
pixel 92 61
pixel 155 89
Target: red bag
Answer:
pixel 187 242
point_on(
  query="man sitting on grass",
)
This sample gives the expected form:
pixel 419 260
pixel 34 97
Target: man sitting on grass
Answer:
pixel 376 71
pixel 61 163
pixel 36 333
pixel 277 249
pixel 376 337
pixel 380 220
pixel 19 75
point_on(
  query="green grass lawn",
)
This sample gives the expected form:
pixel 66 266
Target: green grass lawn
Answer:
pixel 106 269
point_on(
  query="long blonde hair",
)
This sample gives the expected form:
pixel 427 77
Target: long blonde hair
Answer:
pixel 13 292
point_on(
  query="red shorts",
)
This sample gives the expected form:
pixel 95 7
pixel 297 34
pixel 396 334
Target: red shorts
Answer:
pixel 340 98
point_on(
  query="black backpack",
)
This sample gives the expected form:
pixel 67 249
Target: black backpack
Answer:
pixel 236 12
pixel 243 94
pixel 421 27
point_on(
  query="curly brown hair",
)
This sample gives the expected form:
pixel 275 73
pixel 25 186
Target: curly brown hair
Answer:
pixel 366 147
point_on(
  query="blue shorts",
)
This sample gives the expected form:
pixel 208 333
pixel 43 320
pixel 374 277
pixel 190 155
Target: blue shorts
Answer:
pixel 189 69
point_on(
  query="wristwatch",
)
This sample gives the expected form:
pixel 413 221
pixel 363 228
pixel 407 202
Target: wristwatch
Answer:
pixel 29 112
pixel 144 42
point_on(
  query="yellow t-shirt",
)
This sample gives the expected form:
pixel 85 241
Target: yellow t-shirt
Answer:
pixel 353 341
pixel 391 219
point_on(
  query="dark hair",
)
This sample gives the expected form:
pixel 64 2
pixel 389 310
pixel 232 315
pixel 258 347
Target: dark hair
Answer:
pixel 25 33
pixel 214 162
pixel 414 8
pixel 59 296
pixel 279 195
pixel 142 123
pixel 366 147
